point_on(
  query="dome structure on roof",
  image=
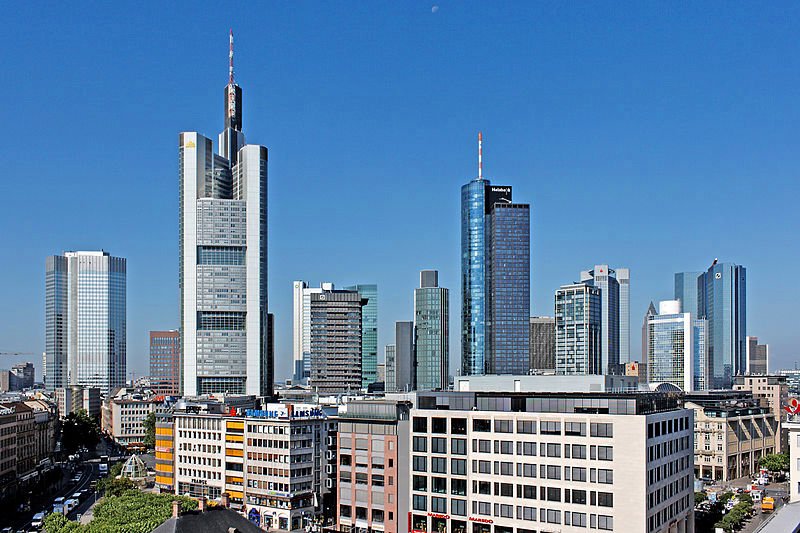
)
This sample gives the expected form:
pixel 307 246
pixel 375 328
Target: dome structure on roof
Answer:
pixel 665 387
pixel 134 468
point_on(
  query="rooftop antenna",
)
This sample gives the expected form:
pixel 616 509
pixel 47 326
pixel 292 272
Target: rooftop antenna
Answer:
pixel 480 155
pixel 230 60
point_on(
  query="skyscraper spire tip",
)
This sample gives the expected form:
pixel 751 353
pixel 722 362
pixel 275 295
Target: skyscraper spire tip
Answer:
pixel 230 59
pixel 480 155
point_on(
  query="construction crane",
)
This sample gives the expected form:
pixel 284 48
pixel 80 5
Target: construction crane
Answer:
pixel 16 353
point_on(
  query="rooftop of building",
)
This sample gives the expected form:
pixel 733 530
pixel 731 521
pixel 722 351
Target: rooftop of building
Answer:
pixel 212 520
pixel 727 403
pixel 772 379
pixel 785 520
pixel 545 383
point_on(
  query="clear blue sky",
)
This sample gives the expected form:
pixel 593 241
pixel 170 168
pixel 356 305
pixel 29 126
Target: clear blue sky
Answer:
pixel 652 135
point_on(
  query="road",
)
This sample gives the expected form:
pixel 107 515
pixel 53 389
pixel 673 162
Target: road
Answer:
pixel 89 472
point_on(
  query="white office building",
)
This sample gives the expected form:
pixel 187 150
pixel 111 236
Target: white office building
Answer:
pixel 550 462
pixel 223 260
pixel 677 350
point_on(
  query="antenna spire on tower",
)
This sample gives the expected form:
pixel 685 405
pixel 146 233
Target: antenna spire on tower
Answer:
pixel 230 60
pixel 480 155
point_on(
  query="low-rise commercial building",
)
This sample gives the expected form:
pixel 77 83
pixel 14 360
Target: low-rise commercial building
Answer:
pixel 773 392
pixel 732 431
pixel 76 398
pixel 124 413
pixel 270 461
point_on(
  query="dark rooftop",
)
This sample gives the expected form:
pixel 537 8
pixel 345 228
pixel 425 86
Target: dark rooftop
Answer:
pixel 213 520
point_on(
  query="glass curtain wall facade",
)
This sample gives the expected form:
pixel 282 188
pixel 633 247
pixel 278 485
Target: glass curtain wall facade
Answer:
pixel 86 320
pixel 509 295
pixel 390 362
pixel 578 330
pixel 722 300
pixel 473 277
pixel 607 280
pixel 55 358
pixel 686 290
pixel 369 332
pixel 432 332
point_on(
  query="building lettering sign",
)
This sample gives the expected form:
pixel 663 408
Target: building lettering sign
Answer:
pixel 286 412
pixel 481 520
pixel 794 406
pixel 501 189
pixel 266 413
pixel 437 515
pixel 200 482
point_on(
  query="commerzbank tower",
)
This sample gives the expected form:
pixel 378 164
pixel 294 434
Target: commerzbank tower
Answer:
pixel 225 340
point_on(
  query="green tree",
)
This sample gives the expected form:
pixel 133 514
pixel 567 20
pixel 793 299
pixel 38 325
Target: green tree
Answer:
pixel 58 523
pixel 775 462
pixel 699 497
pixel 79 429
pixel 150 430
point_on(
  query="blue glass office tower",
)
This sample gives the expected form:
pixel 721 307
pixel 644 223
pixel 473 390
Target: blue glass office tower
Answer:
pixel 722 300
pixel 369 332
pixel 495 279
pixel 686 291
pixel 431 333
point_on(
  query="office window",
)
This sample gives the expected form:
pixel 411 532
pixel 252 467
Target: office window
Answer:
pixel 578 496
pixel 553 472
pixel 482 487
pixel 438 425
pixel 503 426
pixel 485 508
pixel 420 483
pixel 526 470
pixel 439 445
pixel 605 522
pixel 526 448
pixel 420 444
pixel 553 517
pixel 438 505
pixel 458 507
pixel 439 465
pixel 481 424
pixel 605 476
pixel 578 451
pixel 458 466
pixel 377 515
pixel 601 430
pixel 575 429
pixel 458 446
pixel 578 519
pixel 526 491
pixel 458 426
pixel 420 502
pixel 439 485
pixel 420 424
pixel 485 467
pixel 550 428
pixel 526 513
pixel 458 487
pixel 420 463
pixel 526 426
pixel 605 499
pixel 345 511
pixel 506 511
pixel 578 474
pixel 605 453
pixel 553 450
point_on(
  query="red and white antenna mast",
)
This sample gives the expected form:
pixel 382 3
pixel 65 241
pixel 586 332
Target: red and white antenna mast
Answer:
pixel 480 155
pixel 230 61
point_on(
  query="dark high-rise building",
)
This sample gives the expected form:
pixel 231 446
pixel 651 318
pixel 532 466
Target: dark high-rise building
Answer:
pixel 495 278
pixel 543 344
pixel 432 333
pixel 165 362
pixel 369 332
pixel 336 341
pixel 722 300
pixel 404 356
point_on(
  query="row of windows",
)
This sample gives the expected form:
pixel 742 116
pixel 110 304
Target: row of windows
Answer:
pixel 458 426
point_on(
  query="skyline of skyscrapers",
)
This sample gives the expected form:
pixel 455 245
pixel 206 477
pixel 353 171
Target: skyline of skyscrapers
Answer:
pixel 495 278
pixel 223 259
pixel 85 320
pixel 676 347
pixel 431 333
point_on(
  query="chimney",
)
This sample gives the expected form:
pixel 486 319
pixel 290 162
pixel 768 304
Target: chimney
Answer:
pixel 176 508
pixel 225 499
pixel 201 504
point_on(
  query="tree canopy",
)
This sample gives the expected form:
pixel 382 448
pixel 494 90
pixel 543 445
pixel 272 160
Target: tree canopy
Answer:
pixel 150 430
pixel 775 462
pixel 77 430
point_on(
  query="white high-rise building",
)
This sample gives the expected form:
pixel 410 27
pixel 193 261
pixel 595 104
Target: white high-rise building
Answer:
pixel 223 259
pixel 676 348
pixel 85 320
pixel 301 327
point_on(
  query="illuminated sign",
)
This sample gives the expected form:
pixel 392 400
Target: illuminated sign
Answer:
pixel 189 144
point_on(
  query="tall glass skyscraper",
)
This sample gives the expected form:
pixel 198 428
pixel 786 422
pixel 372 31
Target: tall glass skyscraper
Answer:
pixel 615 300
pixel 369 332
pixel 432 333
pixel 722 300
pixel 495 279
pixel 85 320
pixel 686 291
pixel 223 259
pixel 676 348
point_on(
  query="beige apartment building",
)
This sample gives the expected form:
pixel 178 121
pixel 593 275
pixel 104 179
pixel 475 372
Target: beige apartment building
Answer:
pixel 773 391
pixel 732 431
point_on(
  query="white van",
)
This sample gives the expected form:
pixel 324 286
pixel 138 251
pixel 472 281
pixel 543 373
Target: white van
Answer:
pixel 38 520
